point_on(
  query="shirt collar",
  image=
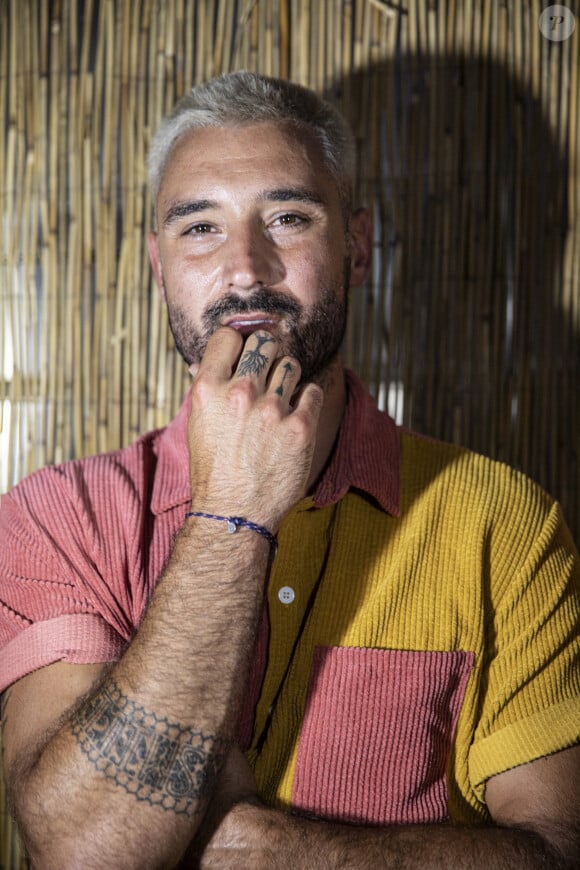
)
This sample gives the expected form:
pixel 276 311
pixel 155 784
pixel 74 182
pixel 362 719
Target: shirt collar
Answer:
pixel 366 456
pixel 367 453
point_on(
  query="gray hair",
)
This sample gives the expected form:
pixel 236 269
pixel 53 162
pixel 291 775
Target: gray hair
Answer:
pixel 243 98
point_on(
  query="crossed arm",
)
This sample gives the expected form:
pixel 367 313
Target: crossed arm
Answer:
pixel 535 810
pixel 133 765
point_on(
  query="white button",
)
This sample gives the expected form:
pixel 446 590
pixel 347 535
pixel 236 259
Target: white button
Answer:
pixel 286 595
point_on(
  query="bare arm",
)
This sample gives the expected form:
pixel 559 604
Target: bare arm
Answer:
pixel 534 807
pixel 123 778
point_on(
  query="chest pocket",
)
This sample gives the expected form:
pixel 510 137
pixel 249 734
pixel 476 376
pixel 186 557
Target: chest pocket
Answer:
pixel 377 734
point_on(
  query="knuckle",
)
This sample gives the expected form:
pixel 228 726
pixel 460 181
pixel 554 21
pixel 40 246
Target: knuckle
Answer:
pixel 300 426
pixel 271 411
pixel 203 388
pixel 242 392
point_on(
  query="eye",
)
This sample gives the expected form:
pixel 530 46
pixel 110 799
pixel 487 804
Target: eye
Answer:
pixel 199 230
pixel 289 219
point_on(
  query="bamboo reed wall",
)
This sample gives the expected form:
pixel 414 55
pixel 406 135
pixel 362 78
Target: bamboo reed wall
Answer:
pixel 469 128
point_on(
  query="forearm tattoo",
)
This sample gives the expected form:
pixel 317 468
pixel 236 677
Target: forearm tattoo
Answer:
pixel 254 361
pixel 155 760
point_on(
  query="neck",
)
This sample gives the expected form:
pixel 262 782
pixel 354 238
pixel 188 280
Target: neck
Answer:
pixel 333 384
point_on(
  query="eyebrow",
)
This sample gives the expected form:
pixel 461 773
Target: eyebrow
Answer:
pixel 292 194
pixel 186 208
pixel 282 194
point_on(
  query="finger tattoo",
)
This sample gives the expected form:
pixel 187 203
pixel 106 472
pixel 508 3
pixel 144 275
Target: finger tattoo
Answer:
pixel 287 372
pixel 254 361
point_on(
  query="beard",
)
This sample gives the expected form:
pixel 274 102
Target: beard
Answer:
pixel 311 335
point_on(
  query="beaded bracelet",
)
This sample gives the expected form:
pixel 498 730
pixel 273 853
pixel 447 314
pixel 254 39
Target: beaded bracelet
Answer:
pixel 235 523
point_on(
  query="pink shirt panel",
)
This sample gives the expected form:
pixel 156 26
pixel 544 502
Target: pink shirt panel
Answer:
pixel 83 544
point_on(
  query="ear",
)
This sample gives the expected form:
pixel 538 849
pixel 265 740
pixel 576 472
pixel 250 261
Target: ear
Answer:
pixel 360 231
pixel 155 259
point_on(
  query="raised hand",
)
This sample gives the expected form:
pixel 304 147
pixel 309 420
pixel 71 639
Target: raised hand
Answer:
pixel 251 435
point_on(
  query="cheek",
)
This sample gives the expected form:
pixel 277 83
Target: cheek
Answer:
pixel 317 272
pixel 325 259
pixel 189 284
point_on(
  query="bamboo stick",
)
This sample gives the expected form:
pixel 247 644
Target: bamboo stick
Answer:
pixel 469 327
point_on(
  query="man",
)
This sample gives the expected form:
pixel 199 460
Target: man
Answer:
pixel 386 626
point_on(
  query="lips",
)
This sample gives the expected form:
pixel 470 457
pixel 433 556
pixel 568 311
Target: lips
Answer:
pixel 246 324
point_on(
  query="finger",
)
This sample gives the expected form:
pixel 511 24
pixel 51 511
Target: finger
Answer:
pixel 284 377
pixel 309 401
pixel 221 353
pixel 257 356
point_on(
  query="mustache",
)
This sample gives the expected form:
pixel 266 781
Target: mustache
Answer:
pixel 260 300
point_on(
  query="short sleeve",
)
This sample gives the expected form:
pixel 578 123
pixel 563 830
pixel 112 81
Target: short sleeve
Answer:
pixel 54 603
pixel 530 704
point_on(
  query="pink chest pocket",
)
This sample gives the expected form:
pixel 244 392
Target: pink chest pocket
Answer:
pixel 377 733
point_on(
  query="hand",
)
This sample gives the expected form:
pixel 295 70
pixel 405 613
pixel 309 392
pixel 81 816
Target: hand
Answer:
pixel 236 781
pixel 251 436
pixel 222 837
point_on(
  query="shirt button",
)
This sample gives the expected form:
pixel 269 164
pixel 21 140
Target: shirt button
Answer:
pixel 286 595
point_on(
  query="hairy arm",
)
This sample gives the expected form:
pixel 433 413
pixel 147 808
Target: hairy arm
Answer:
pixel 136 757
pixel 122 776
pixel 534 809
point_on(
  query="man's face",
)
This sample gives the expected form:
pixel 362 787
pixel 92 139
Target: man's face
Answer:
pixel 251 235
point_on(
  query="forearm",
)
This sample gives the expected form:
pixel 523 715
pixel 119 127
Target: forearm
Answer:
pixel 259 837
pixel 125 779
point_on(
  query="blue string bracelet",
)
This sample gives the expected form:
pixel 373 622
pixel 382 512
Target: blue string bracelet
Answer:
pixel 235 523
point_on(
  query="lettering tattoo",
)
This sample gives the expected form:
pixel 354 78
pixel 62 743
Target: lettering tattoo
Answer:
pixel 155 760
pixel 254 361
pixel 287 372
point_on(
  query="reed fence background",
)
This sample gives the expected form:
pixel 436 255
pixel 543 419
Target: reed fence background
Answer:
pixel 468 124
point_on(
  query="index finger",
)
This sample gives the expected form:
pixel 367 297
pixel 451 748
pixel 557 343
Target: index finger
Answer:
pixel 222 353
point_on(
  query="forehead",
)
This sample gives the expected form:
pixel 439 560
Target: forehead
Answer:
pixel 263 154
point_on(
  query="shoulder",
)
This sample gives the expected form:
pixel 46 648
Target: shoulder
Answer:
pixel 459 471
pixel 484 501
pixel 88 474
pixel 58 500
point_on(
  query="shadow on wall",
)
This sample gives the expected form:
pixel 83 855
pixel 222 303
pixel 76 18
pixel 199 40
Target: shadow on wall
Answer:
pixel 466 332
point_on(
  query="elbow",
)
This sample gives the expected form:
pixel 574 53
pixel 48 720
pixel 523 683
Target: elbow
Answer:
pixel 57 846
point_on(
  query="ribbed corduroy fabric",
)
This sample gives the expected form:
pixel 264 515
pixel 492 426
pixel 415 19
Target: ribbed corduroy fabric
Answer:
pixel 432 636
pixel 391 762
pixel 82 544
pixel 478 565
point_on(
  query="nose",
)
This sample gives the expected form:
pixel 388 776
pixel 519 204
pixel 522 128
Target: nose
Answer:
pixel 251 260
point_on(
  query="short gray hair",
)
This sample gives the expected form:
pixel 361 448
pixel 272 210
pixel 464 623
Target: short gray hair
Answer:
pixel 242 98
